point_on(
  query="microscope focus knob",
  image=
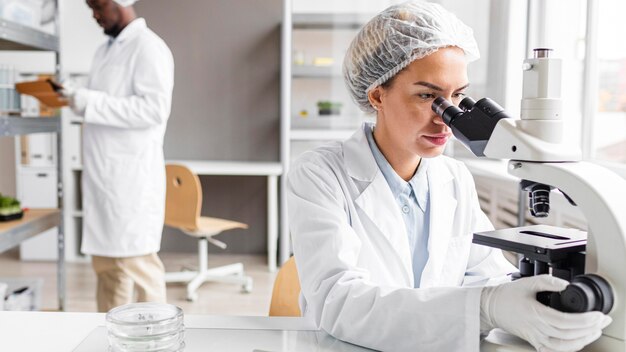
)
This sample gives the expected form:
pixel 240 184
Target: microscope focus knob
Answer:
pixel 587 293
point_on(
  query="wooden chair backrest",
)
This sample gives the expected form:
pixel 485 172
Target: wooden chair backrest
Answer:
pixel 183 200
pixel 286 291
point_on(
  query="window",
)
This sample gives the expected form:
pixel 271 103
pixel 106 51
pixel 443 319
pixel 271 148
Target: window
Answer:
pixel 594 71
pixel 608 142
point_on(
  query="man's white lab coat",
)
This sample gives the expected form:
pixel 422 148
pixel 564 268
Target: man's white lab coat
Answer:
pixel 129 97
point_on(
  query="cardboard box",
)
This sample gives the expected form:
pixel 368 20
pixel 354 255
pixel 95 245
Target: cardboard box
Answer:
pixel 46 91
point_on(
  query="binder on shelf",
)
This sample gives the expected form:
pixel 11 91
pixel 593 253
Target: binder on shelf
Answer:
pixel 46 91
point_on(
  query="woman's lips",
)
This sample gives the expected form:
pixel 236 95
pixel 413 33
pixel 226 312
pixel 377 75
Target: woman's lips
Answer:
pixel 438 139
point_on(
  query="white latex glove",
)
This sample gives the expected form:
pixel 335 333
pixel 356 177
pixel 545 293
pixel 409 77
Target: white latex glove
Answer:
pixel 76 97
pixel 514 307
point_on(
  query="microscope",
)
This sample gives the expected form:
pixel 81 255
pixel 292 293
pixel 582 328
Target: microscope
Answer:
pixel 593 262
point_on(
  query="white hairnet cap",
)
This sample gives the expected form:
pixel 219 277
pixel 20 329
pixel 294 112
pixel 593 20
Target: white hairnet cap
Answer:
pixel 125 3
pixel 396 37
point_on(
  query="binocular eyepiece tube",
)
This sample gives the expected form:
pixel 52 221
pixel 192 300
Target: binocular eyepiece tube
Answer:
pixel 472 122
pixel 449 111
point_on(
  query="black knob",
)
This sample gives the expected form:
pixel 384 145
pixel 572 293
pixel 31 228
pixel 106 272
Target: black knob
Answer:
pixel 578 298
pixel 587 293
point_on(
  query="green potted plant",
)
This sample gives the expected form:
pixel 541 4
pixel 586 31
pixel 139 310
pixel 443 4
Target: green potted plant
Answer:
pixel 10 208
pixel 326 107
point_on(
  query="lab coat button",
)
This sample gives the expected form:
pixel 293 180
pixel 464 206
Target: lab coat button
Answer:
pixel 405 209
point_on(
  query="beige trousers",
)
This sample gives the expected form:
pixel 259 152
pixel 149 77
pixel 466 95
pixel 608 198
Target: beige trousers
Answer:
pixel 118 278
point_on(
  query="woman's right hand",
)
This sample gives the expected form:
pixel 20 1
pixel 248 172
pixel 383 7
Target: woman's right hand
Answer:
pixel 514 307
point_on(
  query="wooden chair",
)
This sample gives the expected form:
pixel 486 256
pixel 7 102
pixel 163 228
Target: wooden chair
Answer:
pixel 286 291
pixel 182 211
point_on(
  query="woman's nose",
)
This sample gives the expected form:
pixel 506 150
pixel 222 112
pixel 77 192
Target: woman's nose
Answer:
pixel 438 120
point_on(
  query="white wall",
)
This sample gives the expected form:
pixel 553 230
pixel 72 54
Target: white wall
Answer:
pixel 80 36
pixel 343 6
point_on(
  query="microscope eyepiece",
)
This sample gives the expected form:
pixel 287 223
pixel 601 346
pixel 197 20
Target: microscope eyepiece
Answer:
pixel 445 109
pixel 440 105
pixel 467 104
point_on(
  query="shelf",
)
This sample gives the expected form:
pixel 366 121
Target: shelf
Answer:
pixel 330 21
pixel 14 126
pixel 33 223
pixel 299 71
pixel 14 36
pixel 320 134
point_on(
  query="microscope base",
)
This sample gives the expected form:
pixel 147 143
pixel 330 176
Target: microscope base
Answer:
pixel 501 341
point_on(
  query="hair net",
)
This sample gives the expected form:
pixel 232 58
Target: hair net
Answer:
pixel 396 37
pixel 125 3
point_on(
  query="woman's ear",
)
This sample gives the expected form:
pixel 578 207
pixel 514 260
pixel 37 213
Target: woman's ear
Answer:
pixel 375 97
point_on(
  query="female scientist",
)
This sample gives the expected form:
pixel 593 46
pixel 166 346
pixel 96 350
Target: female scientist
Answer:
pixel 382 223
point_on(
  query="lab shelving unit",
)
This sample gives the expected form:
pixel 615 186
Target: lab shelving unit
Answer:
pixel 321 128
pixel 17 37
pixel 299 134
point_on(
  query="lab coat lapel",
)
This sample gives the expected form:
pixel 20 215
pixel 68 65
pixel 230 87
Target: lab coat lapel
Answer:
pixel 115 45
pixel 376 199
pixel 442 211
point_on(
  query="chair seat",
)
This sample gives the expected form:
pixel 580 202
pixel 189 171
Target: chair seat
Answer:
pixel 208 227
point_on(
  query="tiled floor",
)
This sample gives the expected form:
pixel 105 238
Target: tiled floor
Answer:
pixel 214 298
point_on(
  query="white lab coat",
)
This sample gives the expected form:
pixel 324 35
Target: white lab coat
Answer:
pixel 129 97
pixel 353 259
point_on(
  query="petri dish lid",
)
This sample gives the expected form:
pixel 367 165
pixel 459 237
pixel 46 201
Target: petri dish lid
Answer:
pixel 144 314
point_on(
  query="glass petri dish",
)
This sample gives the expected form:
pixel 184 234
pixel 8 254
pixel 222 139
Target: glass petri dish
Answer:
pixel 146 319
pixel 172 342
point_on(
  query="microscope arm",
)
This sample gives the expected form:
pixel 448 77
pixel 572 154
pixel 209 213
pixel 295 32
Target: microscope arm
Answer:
pixel 517 140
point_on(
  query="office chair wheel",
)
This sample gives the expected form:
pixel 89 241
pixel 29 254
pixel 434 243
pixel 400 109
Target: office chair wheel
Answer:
pixel 247 287
pixel 192 297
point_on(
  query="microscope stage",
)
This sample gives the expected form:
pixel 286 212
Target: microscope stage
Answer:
pixel 539 242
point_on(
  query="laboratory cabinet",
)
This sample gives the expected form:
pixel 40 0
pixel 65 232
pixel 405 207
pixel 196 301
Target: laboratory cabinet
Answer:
pixel 36 188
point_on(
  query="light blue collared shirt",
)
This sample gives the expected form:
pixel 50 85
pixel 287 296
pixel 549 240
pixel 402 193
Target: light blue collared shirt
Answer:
pixel 413 199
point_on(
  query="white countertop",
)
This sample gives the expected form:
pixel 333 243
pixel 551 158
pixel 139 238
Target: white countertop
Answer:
pixel 85 332
pixel 231 168
pixel 63 332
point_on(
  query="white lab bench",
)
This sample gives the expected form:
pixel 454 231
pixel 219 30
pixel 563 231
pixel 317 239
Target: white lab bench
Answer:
pixel 85 332
pixel 248 168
